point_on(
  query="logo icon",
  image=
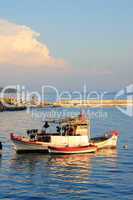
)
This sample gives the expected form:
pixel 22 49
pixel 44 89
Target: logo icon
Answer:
pixel 127 93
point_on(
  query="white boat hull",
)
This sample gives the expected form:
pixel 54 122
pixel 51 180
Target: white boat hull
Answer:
pixel 20 147
pixel 109 142
pixel 24 145
pixel 72 150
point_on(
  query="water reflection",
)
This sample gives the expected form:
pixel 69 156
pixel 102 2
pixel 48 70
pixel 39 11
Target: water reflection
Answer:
pixel 69 168
pixel 72 168
pixel 30 163
pixel 107 153
pixel 65 174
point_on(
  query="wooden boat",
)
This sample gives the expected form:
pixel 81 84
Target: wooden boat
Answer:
pixel 72 150
pixel 108 140
pixel 70 132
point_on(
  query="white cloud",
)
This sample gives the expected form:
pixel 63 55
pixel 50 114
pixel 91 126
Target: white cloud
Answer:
pixel 19 46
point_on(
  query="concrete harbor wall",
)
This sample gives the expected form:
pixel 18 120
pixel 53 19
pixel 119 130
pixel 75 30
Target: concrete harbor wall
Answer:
pixel 67 104
pixel 94 103
pixel 87 103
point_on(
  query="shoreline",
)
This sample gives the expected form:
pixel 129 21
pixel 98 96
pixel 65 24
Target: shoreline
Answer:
pixel 93 103
pixel 108 103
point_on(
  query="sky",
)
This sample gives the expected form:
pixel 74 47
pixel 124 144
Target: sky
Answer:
pixel 66 43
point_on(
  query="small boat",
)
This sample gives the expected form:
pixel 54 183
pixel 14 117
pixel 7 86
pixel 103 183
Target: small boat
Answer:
pixel 72 150
pixel 0 148
pixel 108 140
pixel 67 132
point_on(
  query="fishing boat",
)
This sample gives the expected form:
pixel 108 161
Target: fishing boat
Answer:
pixel 69 132
pixel 108 140
pixel 72 150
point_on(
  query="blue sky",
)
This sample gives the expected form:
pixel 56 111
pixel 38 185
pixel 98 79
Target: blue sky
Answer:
pixel 94 38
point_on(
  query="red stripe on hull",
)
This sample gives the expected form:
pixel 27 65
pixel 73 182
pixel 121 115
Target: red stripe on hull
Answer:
pixel 20 139
pixel 72 149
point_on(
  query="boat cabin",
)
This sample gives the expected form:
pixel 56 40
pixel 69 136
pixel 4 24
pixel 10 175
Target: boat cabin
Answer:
pixel 69 131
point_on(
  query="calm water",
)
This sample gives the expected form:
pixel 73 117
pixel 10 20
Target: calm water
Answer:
pixel 107 174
